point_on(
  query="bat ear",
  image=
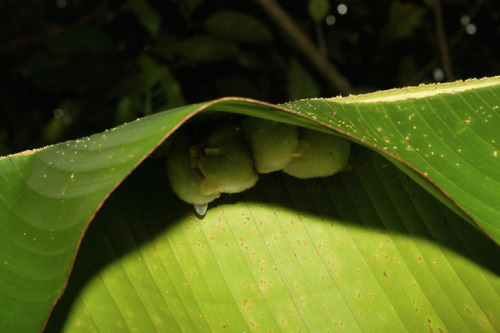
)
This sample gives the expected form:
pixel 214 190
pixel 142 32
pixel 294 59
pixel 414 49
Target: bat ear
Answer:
pixel 208 186
pixel 302 149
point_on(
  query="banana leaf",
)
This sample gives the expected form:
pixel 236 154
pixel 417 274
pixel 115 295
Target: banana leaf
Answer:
pixel 93 238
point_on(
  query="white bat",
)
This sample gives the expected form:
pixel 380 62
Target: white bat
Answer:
pixel 225 162
pixel 185 179
pixel 318 155
pixel 272 144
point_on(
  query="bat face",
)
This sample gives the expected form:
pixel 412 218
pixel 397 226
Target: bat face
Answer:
pixel 229 160
pixel 226 163
pixel 184 179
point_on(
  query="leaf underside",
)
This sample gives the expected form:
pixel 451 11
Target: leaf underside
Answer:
pixel 361 250
pixel 364 250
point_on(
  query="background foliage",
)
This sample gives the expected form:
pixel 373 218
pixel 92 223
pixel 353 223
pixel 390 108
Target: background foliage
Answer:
pixel 72 68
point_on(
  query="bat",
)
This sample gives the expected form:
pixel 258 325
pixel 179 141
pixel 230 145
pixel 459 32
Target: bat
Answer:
pixel 225 162
pixel 318 154
pixel 184 179
pixel 272 143
pixel 230 159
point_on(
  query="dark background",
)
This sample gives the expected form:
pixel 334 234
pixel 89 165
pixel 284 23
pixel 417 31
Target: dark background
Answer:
pixel 73 68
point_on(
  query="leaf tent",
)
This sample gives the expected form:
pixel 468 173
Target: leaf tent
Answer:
pixel 407 240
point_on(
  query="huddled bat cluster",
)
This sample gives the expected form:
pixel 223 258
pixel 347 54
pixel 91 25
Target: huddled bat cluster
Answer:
pixel 230 158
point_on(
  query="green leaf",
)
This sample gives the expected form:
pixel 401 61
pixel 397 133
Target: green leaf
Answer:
pixel 404 19
pixel 362 250
pixel 148 17
pixel 48 197
pixel 318 9
pixel 446 134
pixel 205 49
pixel 300 82
pixel 238 27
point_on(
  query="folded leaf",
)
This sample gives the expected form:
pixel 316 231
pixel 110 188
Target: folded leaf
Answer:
pixel 445 137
